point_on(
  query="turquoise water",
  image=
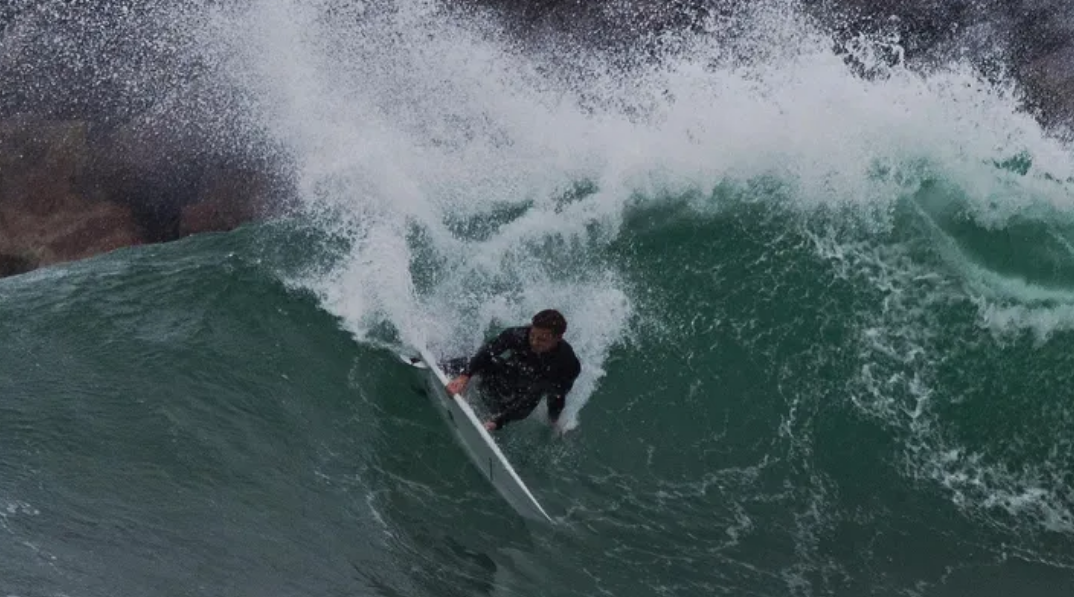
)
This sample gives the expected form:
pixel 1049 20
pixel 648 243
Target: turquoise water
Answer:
pixel 178 420
pixel 825 326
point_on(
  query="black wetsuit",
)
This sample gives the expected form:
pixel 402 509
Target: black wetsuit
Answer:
pixel 515 377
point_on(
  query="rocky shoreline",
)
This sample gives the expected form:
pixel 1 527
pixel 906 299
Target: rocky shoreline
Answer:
pixel 86 166
pixel 65 195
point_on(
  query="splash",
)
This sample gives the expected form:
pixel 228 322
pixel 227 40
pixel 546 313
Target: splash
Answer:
pixel 451 158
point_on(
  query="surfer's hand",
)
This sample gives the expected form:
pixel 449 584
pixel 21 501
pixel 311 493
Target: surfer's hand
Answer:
pixel 559 428
pixel 458 384
pixel 490 425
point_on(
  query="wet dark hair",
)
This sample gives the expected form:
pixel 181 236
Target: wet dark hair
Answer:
pixel 550 319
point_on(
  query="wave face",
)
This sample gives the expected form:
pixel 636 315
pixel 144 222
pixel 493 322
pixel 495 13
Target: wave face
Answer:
pixel 825 324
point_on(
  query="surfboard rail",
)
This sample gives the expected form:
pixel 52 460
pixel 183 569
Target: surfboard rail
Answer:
pixel 485 454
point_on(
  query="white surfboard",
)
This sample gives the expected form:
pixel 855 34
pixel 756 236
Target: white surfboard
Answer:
pixel 476 441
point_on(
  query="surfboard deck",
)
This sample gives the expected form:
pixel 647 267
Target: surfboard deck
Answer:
pixel 475 439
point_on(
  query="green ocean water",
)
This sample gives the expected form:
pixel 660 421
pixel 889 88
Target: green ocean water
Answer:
pixel 825 324
pixel 183 419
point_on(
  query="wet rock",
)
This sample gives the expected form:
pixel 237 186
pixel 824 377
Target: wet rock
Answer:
pixel 46 214
pixel 66 196
pixel 229 198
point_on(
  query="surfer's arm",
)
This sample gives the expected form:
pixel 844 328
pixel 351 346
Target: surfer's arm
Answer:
pixel 556 402
pixel 557 395
pixel 557 399
pixel 482 359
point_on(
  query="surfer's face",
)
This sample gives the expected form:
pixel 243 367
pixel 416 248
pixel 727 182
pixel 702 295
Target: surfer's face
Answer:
pixel 542 340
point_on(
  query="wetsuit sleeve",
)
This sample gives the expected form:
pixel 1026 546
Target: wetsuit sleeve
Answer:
pixel 556 402
pixel 557 398
pixel 481 361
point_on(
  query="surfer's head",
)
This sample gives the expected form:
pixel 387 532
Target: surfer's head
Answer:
pixel 546 330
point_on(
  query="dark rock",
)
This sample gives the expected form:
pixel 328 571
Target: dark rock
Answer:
pixel 114 126
pixel 64 198
pixel 228 199
pixel 45 215
pixel 11 265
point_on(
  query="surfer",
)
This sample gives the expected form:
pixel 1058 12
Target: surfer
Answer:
pixel 519 366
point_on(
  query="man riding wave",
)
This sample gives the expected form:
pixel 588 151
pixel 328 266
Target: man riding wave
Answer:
pixel 519 367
